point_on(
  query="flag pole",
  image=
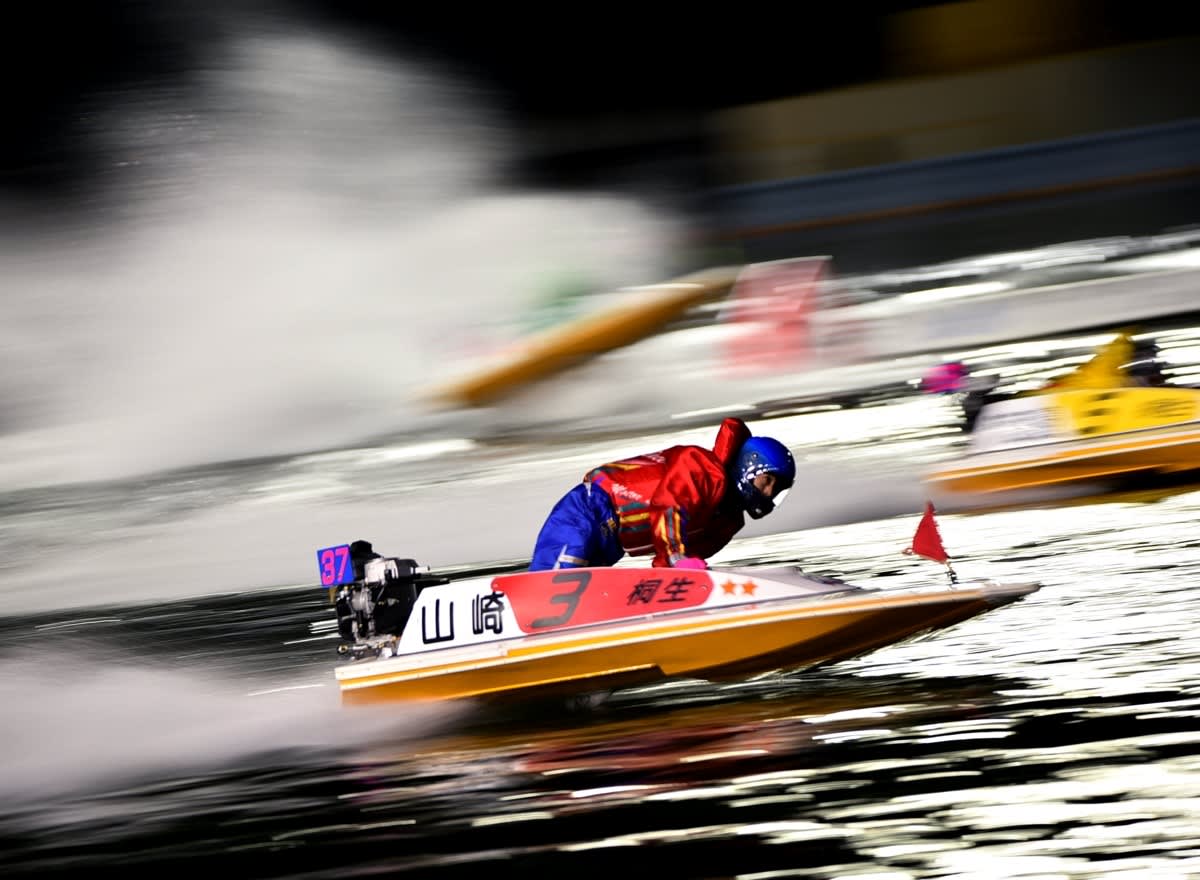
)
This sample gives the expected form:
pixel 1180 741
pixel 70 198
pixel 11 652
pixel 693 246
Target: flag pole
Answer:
pixel 927 542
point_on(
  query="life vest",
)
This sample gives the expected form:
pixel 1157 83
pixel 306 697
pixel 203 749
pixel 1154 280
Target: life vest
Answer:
pixel 677 502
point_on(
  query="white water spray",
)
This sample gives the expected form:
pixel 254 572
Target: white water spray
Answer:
pixel 111 724
pixel 309 239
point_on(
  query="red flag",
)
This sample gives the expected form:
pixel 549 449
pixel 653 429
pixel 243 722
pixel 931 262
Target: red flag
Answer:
pixel 927 541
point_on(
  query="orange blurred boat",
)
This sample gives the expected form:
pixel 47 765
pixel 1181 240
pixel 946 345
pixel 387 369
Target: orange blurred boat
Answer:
pixel 415 636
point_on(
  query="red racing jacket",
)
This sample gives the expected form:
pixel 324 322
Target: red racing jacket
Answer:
pixel 674 503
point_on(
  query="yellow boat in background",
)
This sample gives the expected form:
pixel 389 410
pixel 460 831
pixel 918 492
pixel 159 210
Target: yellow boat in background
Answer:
pixel 1098 423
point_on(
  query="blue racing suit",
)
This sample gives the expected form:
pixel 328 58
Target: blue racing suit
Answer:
pixel 571 539
pixel 669 505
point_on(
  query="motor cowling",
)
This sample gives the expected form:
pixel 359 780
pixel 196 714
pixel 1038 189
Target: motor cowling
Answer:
pixel 381 601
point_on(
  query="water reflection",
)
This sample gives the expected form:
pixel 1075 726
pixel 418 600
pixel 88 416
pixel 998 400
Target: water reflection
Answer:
pixel 1054 737
pixel 931 777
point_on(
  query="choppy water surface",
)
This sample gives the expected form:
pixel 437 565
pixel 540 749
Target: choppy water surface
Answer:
pixel 148 732
pixel 1052 738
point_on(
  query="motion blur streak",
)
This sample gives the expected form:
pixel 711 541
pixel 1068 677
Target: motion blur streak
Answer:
pixel 79 724
pixel 308 234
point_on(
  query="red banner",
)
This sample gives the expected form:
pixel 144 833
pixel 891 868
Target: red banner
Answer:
pixel 544 600
pixel 770 308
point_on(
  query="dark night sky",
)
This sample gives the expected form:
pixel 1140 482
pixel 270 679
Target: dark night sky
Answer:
pixel 607 60
pixel 61 59
pixel 555 65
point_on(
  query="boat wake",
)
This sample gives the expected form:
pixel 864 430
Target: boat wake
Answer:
pixel 75 728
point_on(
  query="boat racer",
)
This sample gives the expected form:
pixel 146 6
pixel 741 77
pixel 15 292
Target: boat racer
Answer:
pixel 681 505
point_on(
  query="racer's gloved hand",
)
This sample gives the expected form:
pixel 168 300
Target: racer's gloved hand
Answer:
pixel 690 562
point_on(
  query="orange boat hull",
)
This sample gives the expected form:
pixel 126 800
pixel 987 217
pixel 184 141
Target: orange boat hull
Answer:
pixel 713 645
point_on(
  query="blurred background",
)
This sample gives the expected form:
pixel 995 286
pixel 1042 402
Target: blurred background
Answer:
pixel 702 114
pixel 235 232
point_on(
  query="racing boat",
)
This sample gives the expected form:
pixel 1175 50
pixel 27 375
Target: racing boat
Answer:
pixel 414 636
pixel 1098 424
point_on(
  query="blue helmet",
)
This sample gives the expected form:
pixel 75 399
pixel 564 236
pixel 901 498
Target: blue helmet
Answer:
pixel 760 455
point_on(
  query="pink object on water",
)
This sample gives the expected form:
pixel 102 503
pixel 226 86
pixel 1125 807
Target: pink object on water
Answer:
pixel 945 378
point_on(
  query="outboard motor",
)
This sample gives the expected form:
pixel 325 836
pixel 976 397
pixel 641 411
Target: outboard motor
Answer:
pixel 381 597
